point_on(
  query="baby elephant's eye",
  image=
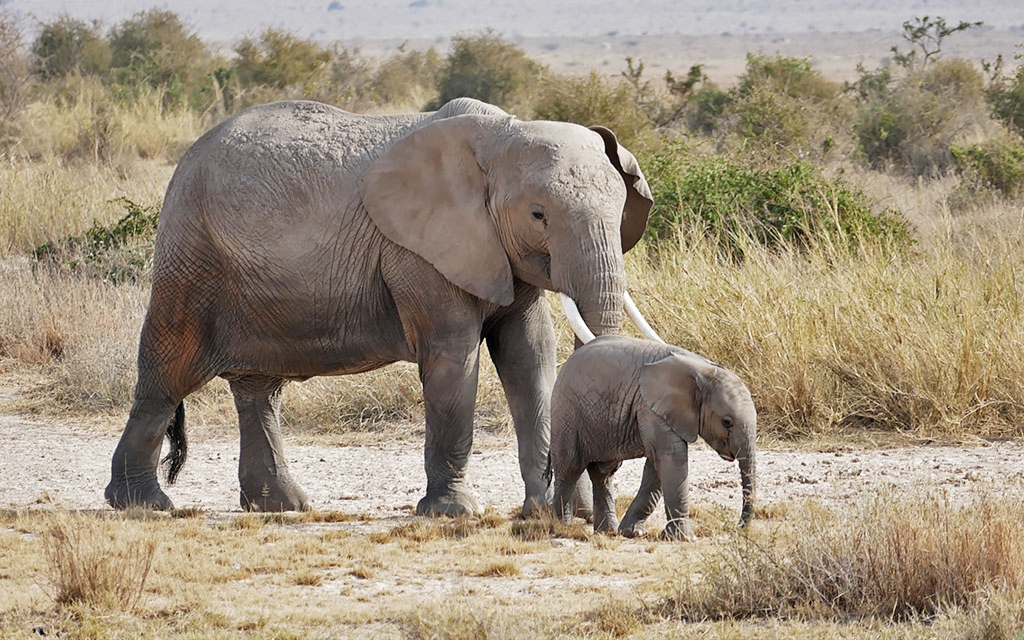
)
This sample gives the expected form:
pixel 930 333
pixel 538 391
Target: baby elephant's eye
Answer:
pixel 538 215
pixel 727 422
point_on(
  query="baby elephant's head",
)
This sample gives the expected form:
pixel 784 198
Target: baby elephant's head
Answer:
pixel 727 420
pixel 697 397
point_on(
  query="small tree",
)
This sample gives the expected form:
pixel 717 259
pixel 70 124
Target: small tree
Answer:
pixel 67 45
pixel 490 69
pixel 14 73
pixel 153 48
pixel 279 59
pixel 925 36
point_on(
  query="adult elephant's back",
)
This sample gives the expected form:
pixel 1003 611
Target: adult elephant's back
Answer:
pixel 259 236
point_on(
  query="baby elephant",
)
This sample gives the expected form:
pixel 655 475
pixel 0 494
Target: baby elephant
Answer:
pixel 618 398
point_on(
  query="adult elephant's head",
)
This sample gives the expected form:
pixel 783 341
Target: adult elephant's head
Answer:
pixel 486 199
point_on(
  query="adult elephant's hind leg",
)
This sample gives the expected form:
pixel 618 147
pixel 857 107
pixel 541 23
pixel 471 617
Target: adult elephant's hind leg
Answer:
pixel 266 484
pixel 133 468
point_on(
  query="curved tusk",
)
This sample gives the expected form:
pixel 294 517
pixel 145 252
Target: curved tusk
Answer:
pixel 572 314
pixel 638 319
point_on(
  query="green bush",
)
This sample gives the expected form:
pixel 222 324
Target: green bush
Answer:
pixel 490 69
pixel 14 75
pixel 407 77
pixel 909 120
pixel 1005 95
pixel 593 99
pixel 736 201
pixel 121 252
pixel 154 49
pixel 69 45
pixel 993 165
pixel 280 59
pixel 783 105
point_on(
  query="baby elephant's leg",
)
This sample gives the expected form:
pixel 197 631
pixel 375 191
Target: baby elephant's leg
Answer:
pixel 672 470
pixel 565 488
pixel 601 474
pixel 643 505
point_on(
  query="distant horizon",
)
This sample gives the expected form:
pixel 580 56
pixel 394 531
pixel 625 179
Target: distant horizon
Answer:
pixel 436 21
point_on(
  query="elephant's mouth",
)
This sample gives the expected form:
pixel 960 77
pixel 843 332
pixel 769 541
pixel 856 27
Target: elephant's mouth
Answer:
pixel 583 332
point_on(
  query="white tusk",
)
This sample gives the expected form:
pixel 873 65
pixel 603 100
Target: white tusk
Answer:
pixel 638 319
pixel 572 314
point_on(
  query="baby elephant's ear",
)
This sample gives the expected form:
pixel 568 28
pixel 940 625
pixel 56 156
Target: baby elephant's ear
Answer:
pixel 669 387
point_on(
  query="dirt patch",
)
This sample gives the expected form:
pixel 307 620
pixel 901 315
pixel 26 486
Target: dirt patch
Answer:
pixel 49 463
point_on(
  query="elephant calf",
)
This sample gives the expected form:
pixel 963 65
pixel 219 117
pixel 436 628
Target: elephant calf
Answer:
pixel 618 398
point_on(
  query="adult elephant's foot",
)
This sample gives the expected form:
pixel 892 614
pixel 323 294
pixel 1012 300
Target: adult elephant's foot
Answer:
pixel 274 495
pixel 678 529
pixel 537 508
pixel 121 495
pixel 632 529
pixel 452 503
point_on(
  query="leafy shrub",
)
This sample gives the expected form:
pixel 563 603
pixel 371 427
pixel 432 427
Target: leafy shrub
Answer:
pixel 405 77
pixel 14 74
pixel 154 49
pixel 593 99
pixel 69 45
pixel 280 59
pixel 736 202
pixel 121 252
pixel 1005 95
pixel 783 104
pixel 909 120
pixel 993 165
pixel 490 69
pixel 704 108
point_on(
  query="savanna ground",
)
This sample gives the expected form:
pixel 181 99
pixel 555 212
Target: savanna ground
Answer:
pixel 853 251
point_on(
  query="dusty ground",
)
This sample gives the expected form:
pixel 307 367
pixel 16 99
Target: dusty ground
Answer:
pixel 45 461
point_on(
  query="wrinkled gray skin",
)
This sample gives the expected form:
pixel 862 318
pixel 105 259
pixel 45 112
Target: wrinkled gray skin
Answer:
pixel 298 240
pixel 619 398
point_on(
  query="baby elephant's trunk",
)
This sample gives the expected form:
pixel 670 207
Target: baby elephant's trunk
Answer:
pixel 748 481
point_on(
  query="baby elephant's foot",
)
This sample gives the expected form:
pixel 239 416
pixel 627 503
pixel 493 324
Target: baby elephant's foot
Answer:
pixel 678 530
pixel 634 530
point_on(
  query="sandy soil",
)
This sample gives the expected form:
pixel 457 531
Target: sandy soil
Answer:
pixel 44 463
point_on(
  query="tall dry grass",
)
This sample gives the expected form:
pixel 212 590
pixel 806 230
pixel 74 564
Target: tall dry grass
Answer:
pixel 97 563
pixel 888 557
pixel 929 340
pixel 82 120
pixel 49 199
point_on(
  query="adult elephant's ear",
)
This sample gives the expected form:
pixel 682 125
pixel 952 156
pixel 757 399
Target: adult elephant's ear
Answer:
pixel 428 194
pixel 638 193
pixel 671 388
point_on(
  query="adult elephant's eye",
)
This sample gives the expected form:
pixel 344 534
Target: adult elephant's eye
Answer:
pixel 727 422
pixel 538 215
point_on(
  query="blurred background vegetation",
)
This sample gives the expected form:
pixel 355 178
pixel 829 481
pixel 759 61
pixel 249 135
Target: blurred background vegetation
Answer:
pixel 813 235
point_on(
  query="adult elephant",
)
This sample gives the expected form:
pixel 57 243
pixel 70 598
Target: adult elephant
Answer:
pixel 298 240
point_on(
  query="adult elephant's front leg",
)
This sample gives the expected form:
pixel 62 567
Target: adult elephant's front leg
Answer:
pixel 266 484
pixel 522 346
pixel 449 376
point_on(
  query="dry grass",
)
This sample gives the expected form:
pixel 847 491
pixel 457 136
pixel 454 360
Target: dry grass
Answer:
pixel 94 562
pixel 929 341
pixel 889 557
pixel 894 566
pixel 84 121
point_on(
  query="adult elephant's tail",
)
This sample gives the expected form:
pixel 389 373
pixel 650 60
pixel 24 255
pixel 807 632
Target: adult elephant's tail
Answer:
pixel 175 458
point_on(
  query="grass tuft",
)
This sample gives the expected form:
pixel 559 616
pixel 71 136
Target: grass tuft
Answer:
pixel 95 562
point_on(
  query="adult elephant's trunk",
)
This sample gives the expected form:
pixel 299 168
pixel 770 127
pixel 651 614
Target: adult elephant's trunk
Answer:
pixel 593 289
pixel 748 482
